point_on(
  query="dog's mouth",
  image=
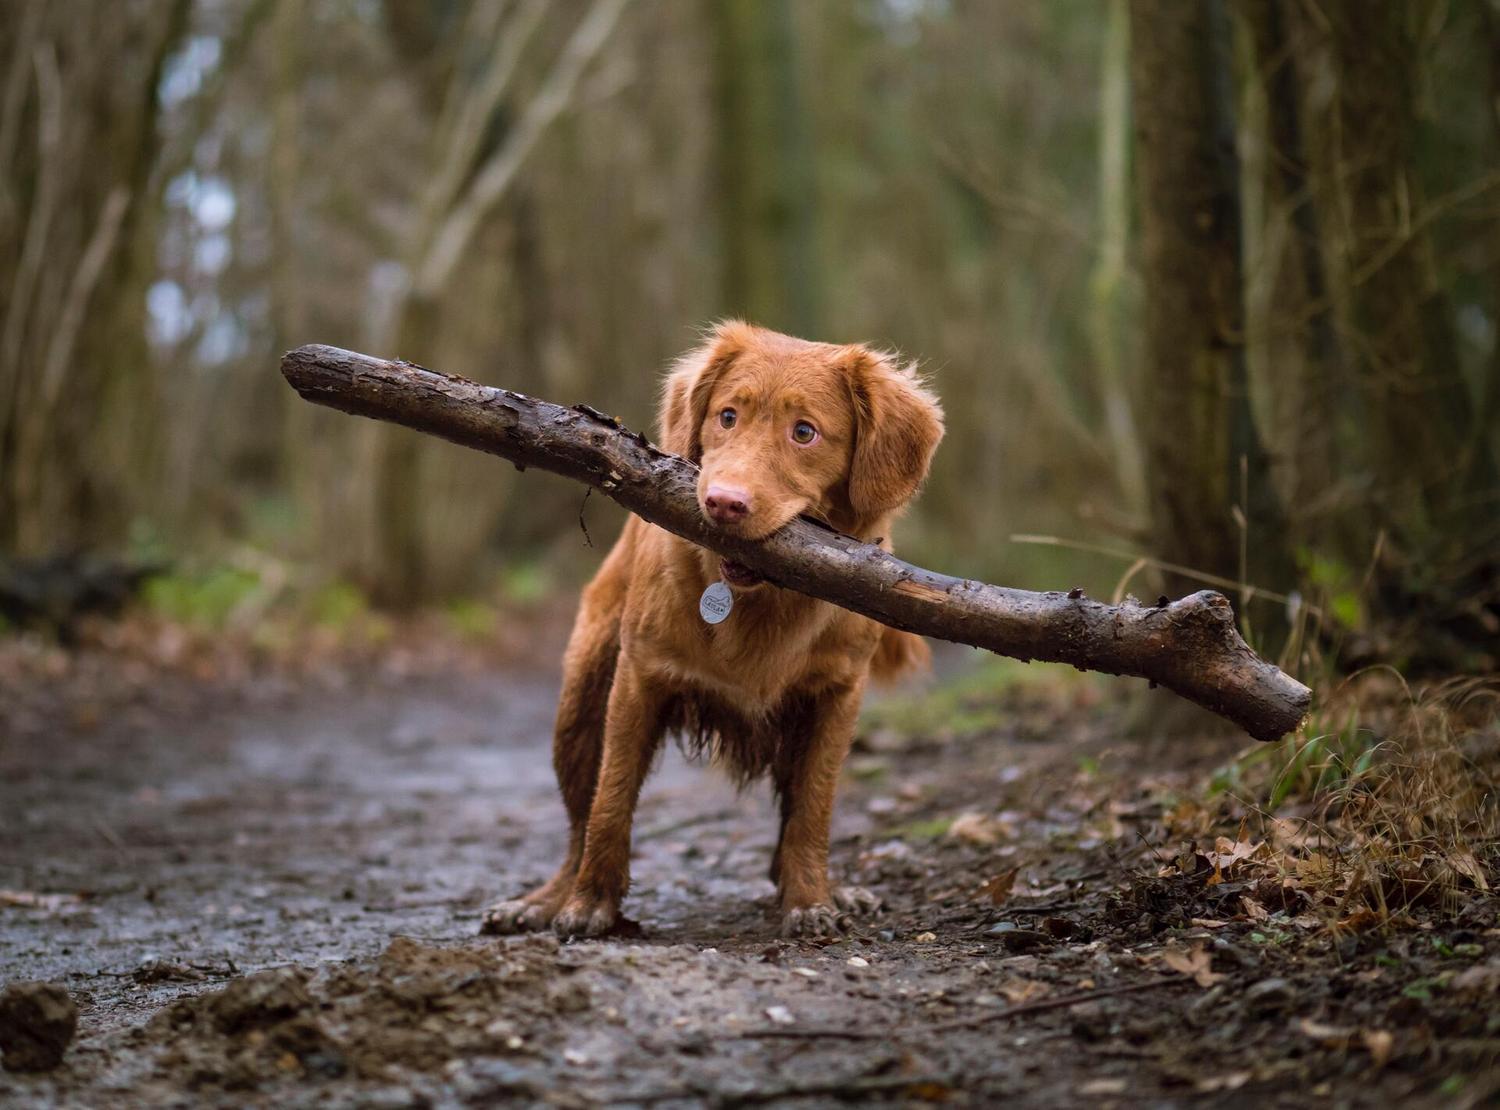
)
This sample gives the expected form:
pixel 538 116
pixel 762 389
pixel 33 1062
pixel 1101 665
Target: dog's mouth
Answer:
pixel 738 574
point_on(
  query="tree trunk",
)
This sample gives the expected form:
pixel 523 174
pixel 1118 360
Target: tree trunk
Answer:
pixel 78 139
pixel 1203 454
pixel 1293 351
pixel 1107 333
pixel 1189 646
pixel 1362 93
pixel 765 169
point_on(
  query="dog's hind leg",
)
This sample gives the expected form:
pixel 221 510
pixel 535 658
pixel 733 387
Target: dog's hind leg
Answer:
pixel 577 743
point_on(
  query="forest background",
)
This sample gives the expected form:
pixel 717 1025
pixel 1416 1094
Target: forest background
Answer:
pixel 1210 290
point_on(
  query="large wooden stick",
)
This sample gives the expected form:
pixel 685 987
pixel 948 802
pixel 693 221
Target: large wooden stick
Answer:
pixel 1189 646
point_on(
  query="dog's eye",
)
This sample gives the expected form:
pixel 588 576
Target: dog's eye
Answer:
pixel 804 433
pixel 727 418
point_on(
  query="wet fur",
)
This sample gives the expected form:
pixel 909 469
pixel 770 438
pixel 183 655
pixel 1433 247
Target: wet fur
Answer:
pixel 773 690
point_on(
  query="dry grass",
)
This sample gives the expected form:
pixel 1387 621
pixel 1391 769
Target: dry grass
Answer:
pixel 1385 804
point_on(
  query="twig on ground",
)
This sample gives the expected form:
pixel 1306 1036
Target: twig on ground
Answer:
pixel 1059 1002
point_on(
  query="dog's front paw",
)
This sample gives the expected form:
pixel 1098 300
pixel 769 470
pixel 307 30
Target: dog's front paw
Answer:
pixel 582 916
pixel 517 916
pixel 856 900
pixel 819 920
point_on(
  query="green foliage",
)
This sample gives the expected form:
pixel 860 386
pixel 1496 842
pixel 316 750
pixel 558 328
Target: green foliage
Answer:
pixel 1302 766
pixel 338 605
pixel 930 829
pixel 1335 582
pixel 528 582
pixel 966 706
pixel 206 598
pixel 475 620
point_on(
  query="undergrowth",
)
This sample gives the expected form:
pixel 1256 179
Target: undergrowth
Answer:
pixel 1386 800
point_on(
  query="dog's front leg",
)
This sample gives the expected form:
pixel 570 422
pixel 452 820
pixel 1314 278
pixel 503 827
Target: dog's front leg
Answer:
pixel 632 731
pixel 808 906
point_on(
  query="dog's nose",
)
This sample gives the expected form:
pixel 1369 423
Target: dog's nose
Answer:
pixel 726 505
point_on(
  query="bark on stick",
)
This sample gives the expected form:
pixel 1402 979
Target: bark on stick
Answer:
pixel 1190 646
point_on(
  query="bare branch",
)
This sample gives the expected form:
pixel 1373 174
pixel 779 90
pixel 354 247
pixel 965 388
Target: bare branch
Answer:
pixel 496 175
pixel 1190 646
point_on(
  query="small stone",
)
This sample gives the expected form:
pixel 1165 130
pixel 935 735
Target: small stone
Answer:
pixel 1002 927
pixel 857 961
pixel 1270 994
pixel 925 938
pixel 780 1015
pixel 1024 940
pixel 805 972
pixel 37 1023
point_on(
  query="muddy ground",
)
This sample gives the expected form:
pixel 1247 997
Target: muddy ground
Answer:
pixel 265 889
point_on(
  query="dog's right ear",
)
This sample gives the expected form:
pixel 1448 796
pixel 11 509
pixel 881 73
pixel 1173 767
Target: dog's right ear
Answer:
pixel 690 384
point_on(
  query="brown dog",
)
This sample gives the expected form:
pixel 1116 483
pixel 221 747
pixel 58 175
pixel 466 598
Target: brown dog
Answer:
pixel 779 427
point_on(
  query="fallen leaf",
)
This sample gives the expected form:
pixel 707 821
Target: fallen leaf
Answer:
pixel 1315 868
pixel 1231 1082
pixel 998 889
pixel 1017 991
pixel 1360 921
pixel 1379 1043
pixel 1106 1086
pixel 1480 977
pixel 1253 909
pixel 1195 963
pixel 34 901
pixel 975 828
pixel 1470 868
pixel 1208 923
pixel 1228 852
pixel 1329 1036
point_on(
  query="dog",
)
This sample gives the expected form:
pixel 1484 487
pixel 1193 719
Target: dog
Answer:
pixel 778 427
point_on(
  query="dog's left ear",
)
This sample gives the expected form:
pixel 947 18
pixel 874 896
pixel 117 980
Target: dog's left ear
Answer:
pixel 898 425
pixel 690 382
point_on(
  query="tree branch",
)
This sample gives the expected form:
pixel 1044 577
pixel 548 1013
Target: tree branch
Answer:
pixel 1189 646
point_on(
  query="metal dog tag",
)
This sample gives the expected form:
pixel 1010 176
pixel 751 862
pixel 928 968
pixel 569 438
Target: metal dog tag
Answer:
pixel 715 603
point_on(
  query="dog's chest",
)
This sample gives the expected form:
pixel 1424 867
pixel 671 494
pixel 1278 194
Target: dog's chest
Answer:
pixel 756 656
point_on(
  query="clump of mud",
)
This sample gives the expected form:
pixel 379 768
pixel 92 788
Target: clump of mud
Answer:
pixel 417 1009
pixel 37 1023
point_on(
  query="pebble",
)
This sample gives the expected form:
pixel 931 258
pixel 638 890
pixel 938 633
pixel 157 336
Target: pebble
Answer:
pixel 1270 994
pixel 925 938
pixel 857 961
pixel 780 1015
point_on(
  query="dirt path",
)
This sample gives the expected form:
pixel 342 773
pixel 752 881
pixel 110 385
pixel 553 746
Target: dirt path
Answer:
pixel 350 839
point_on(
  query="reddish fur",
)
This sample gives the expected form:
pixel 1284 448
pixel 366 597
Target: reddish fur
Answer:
pixel 776 688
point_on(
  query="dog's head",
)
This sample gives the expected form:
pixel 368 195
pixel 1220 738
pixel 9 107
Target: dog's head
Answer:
pixel 780 426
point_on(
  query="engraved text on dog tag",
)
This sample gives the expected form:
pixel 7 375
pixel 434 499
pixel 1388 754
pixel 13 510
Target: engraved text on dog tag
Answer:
pixel 716 602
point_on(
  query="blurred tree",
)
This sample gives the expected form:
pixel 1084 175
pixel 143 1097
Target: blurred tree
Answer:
pixel 1413 425
pixel 1109 336
pixel 1203 455
pixel 475 162
pixel 1293 352
pixel 765 169
pixel 1364 89
pixel 78 140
